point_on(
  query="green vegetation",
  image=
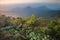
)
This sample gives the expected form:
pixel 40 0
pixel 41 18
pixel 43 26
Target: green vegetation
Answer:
pixel 32 28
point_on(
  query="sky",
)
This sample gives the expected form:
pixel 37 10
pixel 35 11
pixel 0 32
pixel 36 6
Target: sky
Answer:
pixel 4 4
pixel 28 1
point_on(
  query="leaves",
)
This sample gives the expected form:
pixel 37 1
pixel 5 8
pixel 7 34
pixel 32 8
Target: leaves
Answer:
pixel 32 28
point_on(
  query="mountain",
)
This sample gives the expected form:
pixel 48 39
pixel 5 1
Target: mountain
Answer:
pixel 41 11
pixel 26 10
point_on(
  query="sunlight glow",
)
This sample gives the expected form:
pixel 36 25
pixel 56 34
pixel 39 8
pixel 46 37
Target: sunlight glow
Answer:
pixel 17 1
pixel 27 1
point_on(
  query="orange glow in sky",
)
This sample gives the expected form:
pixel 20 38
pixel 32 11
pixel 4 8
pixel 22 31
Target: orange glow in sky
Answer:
pixel 17 1
pixel 27 1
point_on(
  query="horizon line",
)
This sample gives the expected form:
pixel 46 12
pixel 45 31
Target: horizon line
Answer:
pixel 29 3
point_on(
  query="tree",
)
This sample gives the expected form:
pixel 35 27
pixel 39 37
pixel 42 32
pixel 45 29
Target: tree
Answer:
pixel 32 21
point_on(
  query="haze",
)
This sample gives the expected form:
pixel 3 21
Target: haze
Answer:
pixel 25 8
pixel 28 1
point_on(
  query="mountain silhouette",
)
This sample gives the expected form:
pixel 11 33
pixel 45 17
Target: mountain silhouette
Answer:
pixel 27 11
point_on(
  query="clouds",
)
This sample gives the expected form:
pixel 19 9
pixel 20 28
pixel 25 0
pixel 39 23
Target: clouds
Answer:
pixel 28 1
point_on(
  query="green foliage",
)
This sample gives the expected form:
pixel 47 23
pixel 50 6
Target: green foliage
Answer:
pixel 32 21
pixel 32 28
pixel 33 35
pixel 54 30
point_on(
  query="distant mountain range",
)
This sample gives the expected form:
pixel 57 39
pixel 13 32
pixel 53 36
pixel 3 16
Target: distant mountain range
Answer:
pixel 28 10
